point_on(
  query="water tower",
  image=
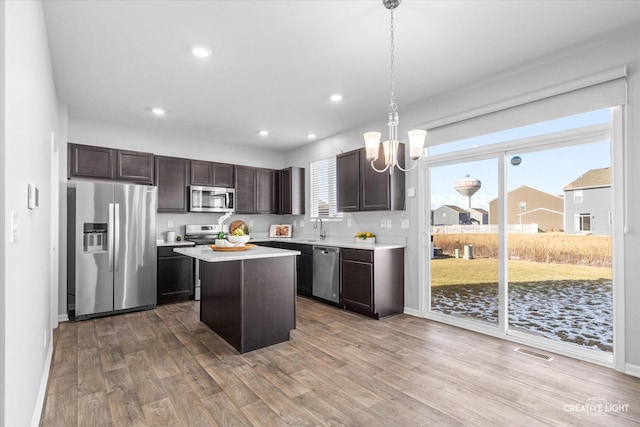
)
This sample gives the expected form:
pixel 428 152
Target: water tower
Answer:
pixel 467 187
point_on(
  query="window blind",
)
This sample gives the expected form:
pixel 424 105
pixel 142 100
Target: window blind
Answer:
pixel 322 174
pixel 602 90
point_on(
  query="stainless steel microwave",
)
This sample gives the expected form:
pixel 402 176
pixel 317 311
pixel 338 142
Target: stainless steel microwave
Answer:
pixel 211 199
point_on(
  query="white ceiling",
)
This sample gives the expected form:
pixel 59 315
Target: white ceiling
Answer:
pixel 275 63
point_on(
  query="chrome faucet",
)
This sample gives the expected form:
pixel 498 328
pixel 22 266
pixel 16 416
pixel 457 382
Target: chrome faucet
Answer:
pixel 323 234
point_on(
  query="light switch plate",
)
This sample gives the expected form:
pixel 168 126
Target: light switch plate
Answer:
pixel 405 223
pixel 388 223
pixel 348 222
pixel 411 192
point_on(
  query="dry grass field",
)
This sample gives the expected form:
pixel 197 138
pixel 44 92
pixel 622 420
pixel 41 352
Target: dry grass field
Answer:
pixel 452 271
pixel 558 248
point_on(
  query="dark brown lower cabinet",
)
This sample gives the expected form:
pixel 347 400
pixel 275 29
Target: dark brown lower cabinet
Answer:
pixel 175 276
pixel 372 281
pixel 304 267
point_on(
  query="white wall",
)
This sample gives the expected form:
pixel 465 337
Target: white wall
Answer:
pixel 618 49
pixel 30 117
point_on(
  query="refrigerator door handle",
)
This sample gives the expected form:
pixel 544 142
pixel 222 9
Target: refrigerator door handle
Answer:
pixel 116 239
pixel 110 237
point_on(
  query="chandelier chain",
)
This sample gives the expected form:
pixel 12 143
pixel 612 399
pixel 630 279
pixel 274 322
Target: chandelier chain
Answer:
pixel 392 105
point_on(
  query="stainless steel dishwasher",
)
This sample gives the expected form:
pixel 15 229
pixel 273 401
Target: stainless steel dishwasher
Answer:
pixel 326 273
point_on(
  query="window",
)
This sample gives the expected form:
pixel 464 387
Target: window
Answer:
pixel 582 222
pixel 577 196
pixel 523 206
pixel 322 187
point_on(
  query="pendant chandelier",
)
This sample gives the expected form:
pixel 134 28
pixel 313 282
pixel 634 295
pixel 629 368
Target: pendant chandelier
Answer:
pixel 390 146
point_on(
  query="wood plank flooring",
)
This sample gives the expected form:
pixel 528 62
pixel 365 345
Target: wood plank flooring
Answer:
pixel 164 367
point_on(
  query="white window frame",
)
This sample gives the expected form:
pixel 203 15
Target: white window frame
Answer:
pixel 522 206
pixel 578 196
pixel 323 184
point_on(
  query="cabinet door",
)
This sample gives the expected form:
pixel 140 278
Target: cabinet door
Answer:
pixel 245 178
pixel 374 192
pixel 172 177
pixel 357 286
pixel 222 175
pixel 175 279
pixel 86 161
pixel 305 275
pixel 134 166
pixel 348 181
pixel 267 191
pixel 292 191
pixel 201 173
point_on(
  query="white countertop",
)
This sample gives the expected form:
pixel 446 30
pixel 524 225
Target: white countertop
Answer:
pixel 340 243
pixel 181 243
pixel 209 255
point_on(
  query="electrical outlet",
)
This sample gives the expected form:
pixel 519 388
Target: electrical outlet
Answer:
pixel 348 222
pixel 295 223
pixel 405 223
pixel 388 223
pixel 169 224
pixel 251 223
pixel 382 223
pixel 411 192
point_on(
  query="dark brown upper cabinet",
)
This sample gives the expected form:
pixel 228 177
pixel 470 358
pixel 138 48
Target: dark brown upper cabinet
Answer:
pixel 292 191
pixel 172 179
pixel 361 188
pixel 267 191
pixel 348 181
pixel 246 186
pixel 212 174
pixel 86 161
pixel 134 166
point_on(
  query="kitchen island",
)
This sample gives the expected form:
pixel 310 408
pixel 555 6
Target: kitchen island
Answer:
pixel 248 297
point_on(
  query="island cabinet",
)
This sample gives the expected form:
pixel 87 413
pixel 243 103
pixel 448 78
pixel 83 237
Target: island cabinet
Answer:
pixel 172 179
pixel 87 161
pixel 210 174
pixel 175 276
pixel 250 303
pixel 372 281
pixel 361 188
pixel 292 191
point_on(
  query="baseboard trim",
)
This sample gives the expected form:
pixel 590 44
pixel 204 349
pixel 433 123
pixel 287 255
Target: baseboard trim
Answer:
pixel 42 393
pixel 412 312
pixel 632 369
pixel 63 317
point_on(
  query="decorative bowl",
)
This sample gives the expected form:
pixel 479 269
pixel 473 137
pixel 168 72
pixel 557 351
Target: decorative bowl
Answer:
pixel 238 239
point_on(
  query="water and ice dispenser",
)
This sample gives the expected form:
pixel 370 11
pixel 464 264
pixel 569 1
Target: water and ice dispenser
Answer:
pixel 95 236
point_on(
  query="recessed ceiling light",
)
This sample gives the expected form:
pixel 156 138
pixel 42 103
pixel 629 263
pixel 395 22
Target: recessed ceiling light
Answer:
pixel 158 111
pixel 264 132
pixel 311 135
pixel 201 51
pixel 336 97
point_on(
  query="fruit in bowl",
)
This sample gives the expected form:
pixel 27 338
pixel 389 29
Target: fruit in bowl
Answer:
pixel 238 239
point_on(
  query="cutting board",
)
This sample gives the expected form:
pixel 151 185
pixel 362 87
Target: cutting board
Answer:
pixel 246 247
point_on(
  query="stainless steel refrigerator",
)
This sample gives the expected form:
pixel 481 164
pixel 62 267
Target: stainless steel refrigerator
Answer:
pixel 111 248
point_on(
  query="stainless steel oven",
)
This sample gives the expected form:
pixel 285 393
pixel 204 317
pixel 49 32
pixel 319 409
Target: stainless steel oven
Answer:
pixel 211 199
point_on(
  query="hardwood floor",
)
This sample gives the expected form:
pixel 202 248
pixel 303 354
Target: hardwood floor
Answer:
pixel 163 367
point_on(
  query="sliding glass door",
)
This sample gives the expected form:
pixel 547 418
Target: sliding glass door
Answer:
pixel 521 233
